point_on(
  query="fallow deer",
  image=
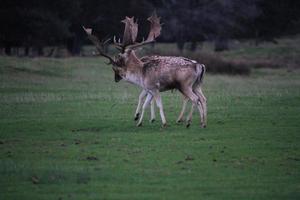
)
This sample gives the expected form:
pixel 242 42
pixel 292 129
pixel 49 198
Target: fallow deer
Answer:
pixel 155 74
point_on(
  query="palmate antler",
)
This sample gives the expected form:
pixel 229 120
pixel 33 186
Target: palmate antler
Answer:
pixel 99 45
pixel 131 31
pixel 129 36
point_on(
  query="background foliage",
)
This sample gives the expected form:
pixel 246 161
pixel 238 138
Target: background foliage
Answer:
pixel 39 23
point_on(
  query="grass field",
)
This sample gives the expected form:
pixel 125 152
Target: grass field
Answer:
pixel 67 132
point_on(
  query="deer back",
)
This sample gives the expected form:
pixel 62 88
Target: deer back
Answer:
pixel 168 72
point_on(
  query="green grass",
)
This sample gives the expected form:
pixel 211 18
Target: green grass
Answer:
pixel 284 54
pixel 67 132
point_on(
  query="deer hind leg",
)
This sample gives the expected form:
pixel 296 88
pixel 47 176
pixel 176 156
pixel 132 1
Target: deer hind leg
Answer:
pixel 197 102
pixel 161 109
pixel 203 102
pixel 180 117
pixel 138 108
pixel 145 105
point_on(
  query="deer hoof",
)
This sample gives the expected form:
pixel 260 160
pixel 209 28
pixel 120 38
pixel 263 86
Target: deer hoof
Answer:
pixel 164 125
pixel 179 121
pixel 203 126
pixel 188 123
pixel 137 116
pixel 152 120
pixel 139 124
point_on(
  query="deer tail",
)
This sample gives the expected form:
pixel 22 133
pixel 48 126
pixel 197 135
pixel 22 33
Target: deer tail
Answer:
pixel 200 71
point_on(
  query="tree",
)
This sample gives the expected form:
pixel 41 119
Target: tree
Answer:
pixel 35 23
pixel 277 18
pixel 199 20
pixel 39 23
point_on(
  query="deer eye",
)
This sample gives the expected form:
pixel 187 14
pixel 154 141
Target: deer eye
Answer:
pixel 120 61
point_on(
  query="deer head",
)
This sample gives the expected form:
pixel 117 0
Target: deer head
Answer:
pixel 127 58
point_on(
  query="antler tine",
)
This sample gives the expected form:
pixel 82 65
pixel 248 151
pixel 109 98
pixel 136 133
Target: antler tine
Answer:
pixel 106 41
pixel 98 44
pixel 117 44
pixel 115 41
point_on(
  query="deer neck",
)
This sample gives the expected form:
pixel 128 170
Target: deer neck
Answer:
pixel 134 77
pixel 134 68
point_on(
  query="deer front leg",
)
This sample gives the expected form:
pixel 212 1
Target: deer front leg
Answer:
pixel 161 109
pixel 138 108
pixel 180 117
pixel 145 105
pixel 152 111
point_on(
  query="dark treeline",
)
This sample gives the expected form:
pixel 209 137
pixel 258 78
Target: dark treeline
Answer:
pixel 35 24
